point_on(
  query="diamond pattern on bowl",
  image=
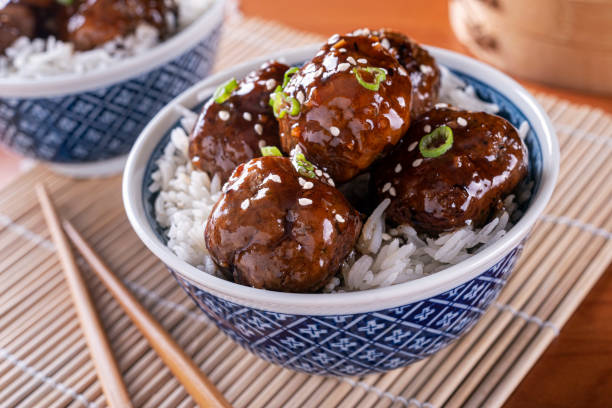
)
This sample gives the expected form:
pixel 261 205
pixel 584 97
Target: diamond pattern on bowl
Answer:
pixel 104 123
pixel 363 343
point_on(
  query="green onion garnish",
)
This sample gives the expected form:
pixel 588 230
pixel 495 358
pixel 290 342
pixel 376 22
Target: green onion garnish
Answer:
pixel 224 91
pixel 270 151
pixel 279 101
pixel 295 106
pixel 65 2
pixel 379 76
pixel 288 75
pixel 436 143
pixel 303 166
pixel 276 99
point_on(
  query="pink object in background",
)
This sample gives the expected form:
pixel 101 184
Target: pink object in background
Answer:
pixel 11 166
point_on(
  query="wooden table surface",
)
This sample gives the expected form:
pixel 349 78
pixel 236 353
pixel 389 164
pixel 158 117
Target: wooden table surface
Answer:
pixel 576 370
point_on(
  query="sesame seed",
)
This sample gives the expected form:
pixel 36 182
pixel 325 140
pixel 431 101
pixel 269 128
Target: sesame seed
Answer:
pixel 426 69
pixel 224 115
pixel 301 181
pixel 308 185
pixel 333 39
pixel 386 187
pixel 392 192
pixel 320 53
pixel 318 172
pixel 402 71
pixel 461 121
pixel 427 128
pixel 342 50
pixel 247 116
pixel 261 143
pixel 318 72
pixel 270 84
pixel 385 43
pixel 440 105
pixel 398 168
pixel 300 97
pixel 258 129
pixel 362 61
pixel 412 146
pixel 334 131
pixel 339 218
pixel 417 162
pixel 245 204
pixel 351 60
pixel 362 31
pixel 331 182
pixel 275 178
pixel 344 66
pixel 305 201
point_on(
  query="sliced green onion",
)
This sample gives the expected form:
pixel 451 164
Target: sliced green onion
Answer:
pixel 279 101
pixel 288 75
pixel 224 91
pixel 379 76
pixel 303 166
pixel 65 2
pixel 270 151
pixel 295 106
pixel 436 143
pixel 276 99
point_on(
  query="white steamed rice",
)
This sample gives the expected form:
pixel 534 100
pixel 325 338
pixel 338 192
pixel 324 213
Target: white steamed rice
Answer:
pixel 39 58
pixel 384 256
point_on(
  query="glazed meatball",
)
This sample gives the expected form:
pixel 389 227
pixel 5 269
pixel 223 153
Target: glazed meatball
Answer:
pixel 456 187
pixel 230 133
pixel 16 20
pixel 422 67
pixel 278 229
pixel 98 21
pixel 354 106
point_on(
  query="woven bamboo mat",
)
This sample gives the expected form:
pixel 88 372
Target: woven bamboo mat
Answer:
pixel 44 361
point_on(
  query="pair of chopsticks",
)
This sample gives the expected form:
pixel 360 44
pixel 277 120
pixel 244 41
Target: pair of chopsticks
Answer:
pixel 186 371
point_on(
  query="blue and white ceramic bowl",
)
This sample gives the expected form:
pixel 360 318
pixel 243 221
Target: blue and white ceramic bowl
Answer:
pixel 85 124
pixel 359 332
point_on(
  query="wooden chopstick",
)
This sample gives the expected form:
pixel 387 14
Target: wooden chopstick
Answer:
pixel 186 371
pixel 99 348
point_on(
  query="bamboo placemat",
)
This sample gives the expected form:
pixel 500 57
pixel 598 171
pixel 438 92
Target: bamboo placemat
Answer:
pixel 44 360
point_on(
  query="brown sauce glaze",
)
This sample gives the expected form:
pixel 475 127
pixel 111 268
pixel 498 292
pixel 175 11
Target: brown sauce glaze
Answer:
pixel 85 23
pixel 342 126
pixel 466 184
pixel 95 22
pixel 422 67
pixel 232 132
pixel 277 229
pixel 16 20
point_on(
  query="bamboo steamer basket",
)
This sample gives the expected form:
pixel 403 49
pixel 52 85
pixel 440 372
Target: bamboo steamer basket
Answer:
pixel 564 43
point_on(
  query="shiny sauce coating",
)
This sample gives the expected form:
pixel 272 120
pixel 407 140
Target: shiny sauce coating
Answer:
pixel 277 229
pixel 95 22
pixel 16 20
pixel 422 67
pixel 85 23
pixel 343 126
pixel 462 186
pixel 231 133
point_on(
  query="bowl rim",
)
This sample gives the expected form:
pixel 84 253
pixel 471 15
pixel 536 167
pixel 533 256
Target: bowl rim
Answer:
pixel 72 83
pixel 349 302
